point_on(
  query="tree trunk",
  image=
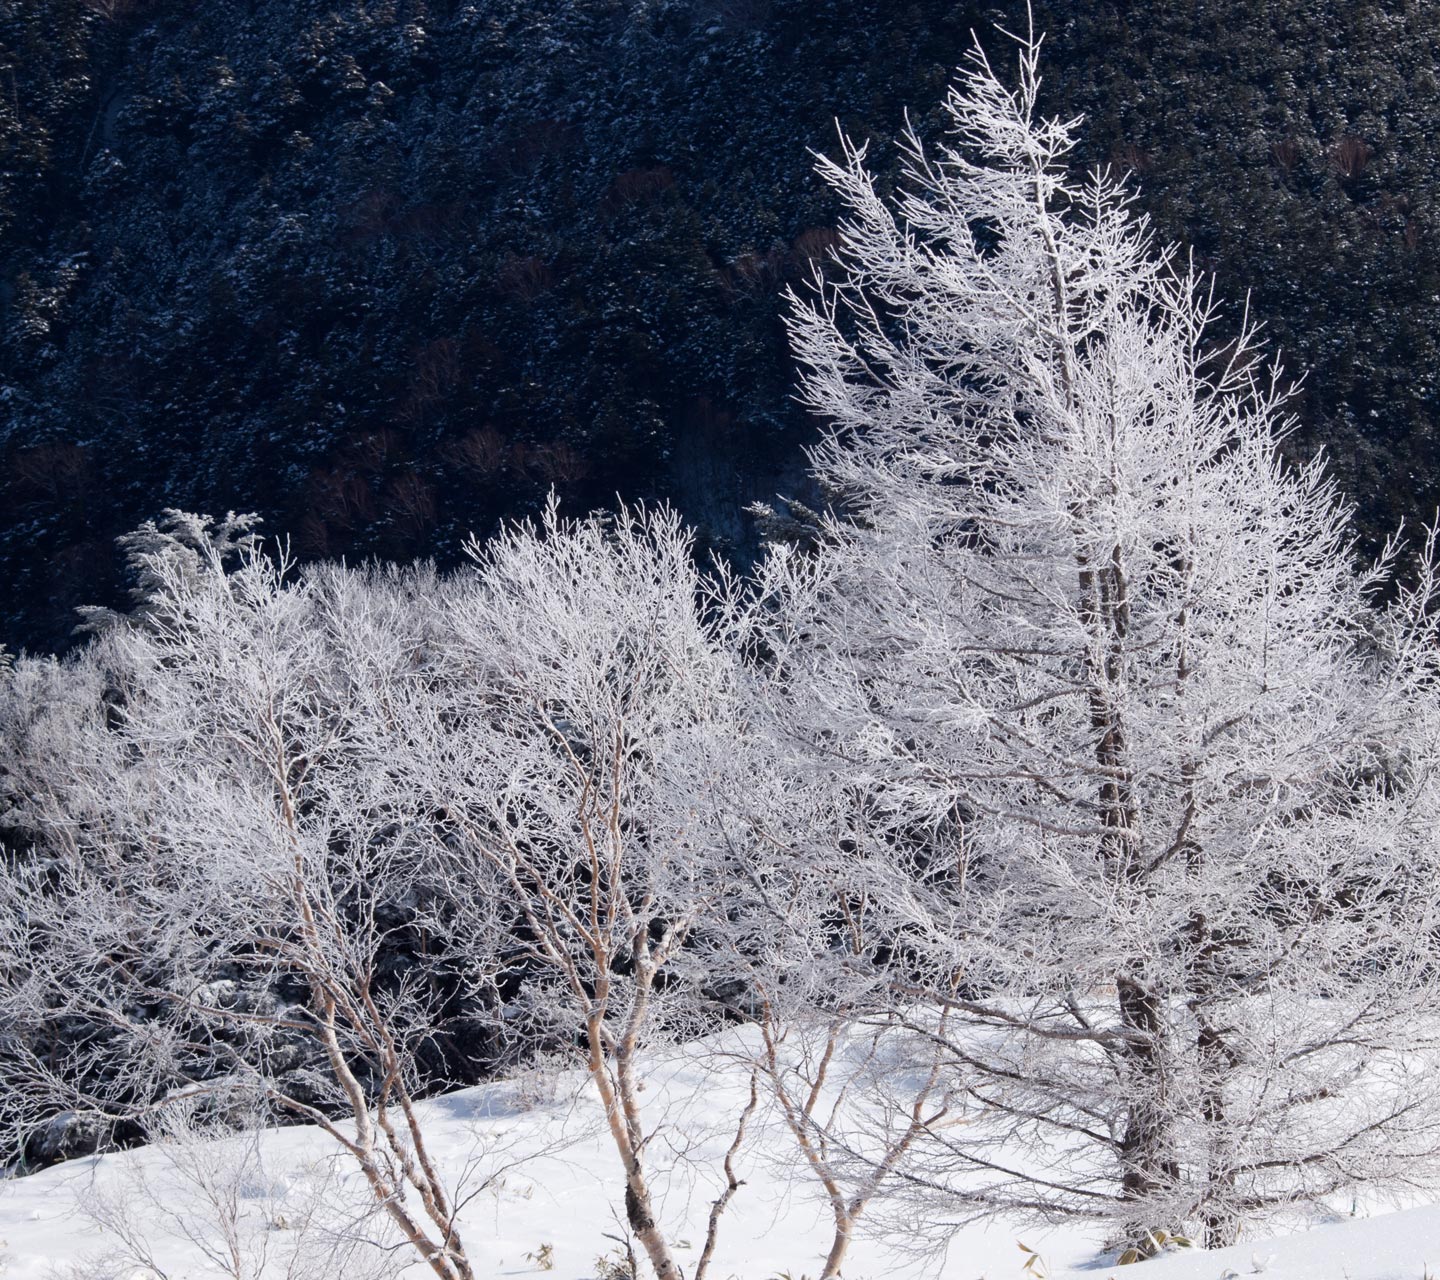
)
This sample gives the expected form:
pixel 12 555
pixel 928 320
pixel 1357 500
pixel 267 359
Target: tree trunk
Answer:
pixel 619 1097
pixel 844 1230
pixel 1148 1165
pixel 1216 1061
pixel 1221 1225
pixel 640 1215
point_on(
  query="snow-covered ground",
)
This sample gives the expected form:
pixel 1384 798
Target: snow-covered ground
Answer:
pixel 545 1200
pixel 1389 1246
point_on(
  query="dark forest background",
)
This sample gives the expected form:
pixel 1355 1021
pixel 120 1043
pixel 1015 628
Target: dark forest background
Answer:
pixel 386 272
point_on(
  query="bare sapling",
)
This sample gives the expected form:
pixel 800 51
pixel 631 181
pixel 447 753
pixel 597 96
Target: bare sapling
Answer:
pixel 594 696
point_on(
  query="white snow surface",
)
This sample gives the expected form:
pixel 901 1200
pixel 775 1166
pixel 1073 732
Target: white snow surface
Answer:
pixel 553 1180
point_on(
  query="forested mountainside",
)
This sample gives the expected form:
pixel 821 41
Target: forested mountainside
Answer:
pixel 386 272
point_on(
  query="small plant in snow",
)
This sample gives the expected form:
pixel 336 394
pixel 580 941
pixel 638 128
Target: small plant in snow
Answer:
pixel 614 1266
pixel 1155 1243
pixel 1034 1266
pixel 620 1263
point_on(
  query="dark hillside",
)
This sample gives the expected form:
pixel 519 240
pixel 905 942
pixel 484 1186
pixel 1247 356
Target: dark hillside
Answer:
pixel 388 271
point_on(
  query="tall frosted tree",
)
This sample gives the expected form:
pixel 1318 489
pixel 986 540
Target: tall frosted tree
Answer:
pixel 1153 758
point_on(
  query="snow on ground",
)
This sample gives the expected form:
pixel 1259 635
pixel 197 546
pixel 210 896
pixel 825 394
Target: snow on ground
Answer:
pixel 1389 1246
pixel 545 1201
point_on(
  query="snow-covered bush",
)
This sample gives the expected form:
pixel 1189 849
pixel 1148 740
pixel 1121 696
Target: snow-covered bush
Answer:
pixel 219 888
pixel 278 827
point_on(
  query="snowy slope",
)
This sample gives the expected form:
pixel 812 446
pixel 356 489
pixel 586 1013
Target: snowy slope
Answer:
pixel 553 1182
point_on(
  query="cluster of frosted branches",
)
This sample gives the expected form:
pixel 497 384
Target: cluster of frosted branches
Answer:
pixel 1059 822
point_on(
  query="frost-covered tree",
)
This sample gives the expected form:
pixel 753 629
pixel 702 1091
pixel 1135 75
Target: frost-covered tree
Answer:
pixel 1153 765
pixel 217 899
pixel 846 1078
pixel 800 952
pixel 595 705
